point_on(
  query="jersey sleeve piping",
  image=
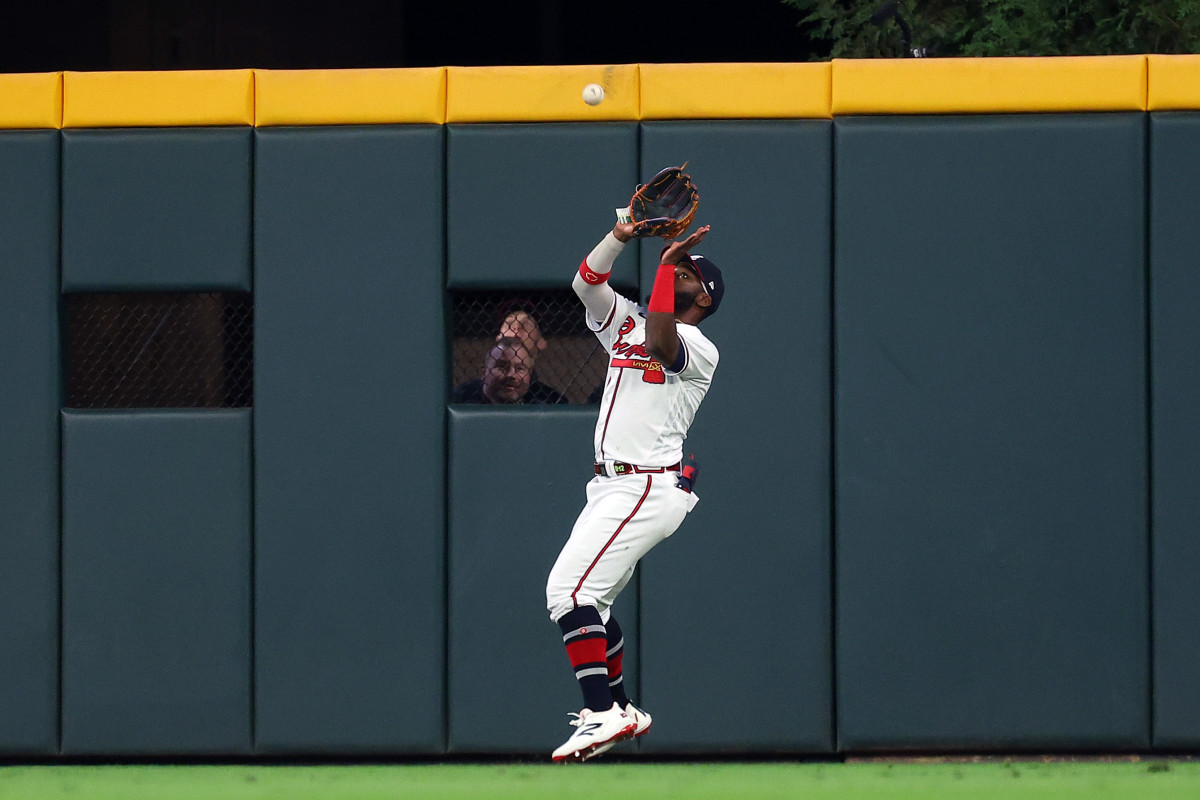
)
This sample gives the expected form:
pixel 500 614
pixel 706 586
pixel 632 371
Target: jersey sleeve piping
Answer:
pixel 602 326
pixel 681 358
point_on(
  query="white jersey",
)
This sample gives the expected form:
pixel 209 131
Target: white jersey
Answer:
pixel 647 410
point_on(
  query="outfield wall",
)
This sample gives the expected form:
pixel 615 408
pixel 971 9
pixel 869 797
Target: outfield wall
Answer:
pixel 948 460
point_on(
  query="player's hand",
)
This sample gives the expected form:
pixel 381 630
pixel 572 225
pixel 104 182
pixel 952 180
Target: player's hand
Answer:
pixel 623 231
pixel 675 250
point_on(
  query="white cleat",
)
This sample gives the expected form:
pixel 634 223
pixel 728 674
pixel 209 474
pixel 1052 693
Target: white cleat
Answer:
pixel 640 718
pixel 596 732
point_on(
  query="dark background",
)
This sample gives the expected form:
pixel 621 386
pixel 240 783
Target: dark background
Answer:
pixel 277 34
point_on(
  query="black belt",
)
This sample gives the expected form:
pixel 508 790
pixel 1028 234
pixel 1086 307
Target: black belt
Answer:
pixel 621 468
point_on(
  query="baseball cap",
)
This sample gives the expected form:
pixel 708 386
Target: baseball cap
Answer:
pixel 710 276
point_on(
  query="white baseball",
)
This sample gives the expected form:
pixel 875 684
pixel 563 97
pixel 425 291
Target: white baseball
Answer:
pixel 593 93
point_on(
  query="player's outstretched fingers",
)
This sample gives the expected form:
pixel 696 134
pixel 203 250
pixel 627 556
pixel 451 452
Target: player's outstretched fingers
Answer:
pixel 696 237
pixel 674 252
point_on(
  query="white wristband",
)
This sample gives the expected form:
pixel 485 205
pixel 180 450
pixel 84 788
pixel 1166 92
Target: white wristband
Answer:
pixel 625 214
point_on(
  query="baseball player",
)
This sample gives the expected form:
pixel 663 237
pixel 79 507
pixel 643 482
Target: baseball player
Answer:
pixel 660 367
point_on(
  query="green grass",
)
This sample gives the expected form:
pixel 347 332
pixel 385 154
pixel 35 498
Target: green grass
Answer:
pixel 1159 779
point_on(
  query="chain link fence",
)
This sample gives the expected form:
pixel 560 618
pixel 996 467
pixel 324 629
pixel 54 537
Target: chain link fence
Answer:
pixel 160 350
pixel 195 350
pixel 524 347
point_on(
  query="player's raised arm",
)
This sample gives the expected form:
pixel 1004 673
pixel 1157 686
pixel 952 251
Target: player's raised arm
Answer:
pixel 678 295
pixel 591 281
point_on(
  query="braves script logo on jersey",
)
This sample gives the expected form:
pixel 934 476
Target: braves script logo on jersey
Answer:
pixel 635 356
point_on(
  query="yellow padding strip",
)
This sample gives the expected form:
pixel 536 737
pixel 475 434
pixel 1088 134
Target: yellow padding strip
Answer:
pixel 989 85
pixel 32 100
pixel 540 94
pixel 124 99
pixel 1174 83
pixel 350 96
pixel 744 91
pixel 632 92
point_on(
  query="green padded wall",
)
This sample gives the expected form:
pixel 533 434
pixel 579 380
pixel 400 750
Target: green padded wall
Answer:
pixel 156 582
pixel 990 560
pixel 742 590
pixel 526 203
pixel 29 399
pixel 990 417
pixel 156 209
pixel 1175 386
pixel 517 482
pixel 349 433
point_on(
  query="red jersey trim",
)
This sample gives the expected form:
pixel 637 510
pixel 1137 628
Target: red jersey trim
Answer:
pixel 611 313
pixel 611 539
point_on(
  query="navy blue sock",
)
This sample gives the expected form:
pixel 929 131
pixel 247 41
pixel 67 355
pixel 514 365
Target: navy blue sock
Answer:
pixel 615 656
pixel 583 634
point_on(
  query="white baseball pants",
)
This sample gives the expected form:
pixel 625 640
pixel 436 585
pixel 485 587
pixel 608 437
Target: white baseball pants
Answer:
pixel 625 517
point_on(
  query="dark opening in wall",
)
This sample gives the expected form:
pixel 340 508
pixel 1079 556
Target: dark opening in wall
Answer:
pixel 160 350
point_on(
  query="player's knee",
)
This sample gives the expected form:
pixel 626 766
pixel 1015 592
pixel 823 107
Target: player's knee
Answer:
pixel 560 605
pixel 560 589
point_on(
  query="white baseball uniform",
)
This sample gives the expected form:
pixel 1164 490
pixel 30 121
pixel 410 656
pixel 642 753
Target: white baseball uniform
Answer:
pixel 644 417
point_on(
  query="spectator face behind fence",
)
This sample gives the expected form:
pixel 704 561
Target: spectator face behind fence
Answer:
pixel 521 325
pixel 507 371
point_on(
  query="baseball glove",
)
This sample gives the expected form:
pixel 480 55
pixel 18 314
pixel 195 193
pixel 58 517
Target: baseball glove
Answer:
pixel 665 205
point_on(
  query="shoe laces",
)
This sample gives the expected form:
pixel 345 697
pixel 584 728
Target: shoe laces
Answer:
pixel 579 718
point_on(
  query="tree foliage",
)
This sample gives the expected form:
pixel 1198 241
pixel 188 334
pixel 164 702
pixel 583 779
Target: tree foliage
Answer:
pixel 877 28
